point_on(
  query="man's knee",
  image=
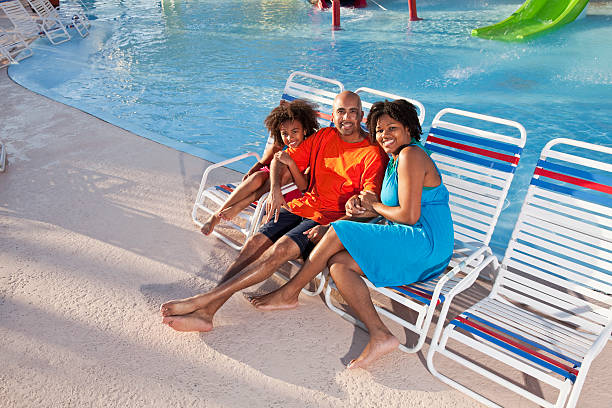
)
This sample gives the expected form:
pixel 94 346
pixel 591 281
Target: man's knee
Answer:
pixel 284 249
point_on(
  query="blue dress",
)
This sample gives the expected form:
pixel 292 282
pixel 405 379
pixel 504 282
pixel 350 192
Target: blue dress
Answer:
pixel 399 254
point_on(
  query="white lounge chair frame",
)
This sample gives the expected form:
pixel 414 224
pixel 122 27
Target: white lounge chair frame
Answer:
pixel 369 96
pixel 20 18
pixel 549 313
pixel 74 13
pixel 50 21
pixel 299 85
pixel 13 48
pixel 477 167
pixel 2 157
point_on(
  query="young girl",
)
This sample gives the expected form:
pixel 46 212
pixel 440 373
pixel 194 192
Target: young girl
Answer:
pixel 289 123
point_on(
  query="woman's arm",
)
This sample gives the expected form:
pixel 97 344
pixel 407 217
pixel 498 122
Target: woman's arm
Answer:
pixel 411 176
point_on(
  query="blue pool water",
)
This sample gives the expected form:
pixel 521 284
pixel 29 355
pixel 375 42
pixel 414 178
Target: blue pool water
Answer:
pixel 200 75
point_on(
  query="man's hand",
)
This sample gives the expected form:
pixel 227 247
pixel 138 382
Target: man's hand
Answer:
pixel 274 203
pixel 353 207
pixel 316 233
pixel 367 199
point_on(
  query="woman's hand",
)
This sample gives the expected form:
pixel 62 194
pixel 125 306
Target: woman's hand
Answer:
pixel 353 207
pixel 283 157
pixel 316 233
pixel 367 199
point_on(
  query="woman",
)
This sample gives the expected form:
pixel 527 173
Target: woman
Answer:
pixel 416 244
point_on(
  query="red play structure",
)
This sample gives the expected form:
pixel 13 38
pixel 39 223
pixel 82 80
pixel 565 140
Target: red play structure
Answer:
pixel 335 4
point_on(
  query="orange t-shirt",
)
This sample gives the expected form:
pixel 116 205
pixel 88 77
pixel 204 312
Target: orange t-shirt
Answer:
pixel 338 170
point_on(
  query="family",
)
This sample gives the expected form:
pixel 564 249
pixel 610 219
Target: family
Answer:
pixel 344 177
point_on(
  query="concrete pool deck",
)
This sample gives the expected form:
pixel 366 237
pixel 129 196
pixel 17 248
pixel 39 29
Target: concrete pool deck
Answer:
pixel 95 233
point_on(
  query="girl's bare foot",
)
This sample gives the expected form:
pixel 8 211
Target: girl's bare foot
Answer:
pixel 376 348
pixel 226 215
pixel 277 300
pixel 210 224
pixel 197 321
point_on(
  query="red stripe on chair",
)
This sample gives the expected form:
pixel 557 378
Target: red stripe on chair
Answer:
pixel 517 345
pixel 418 292
pixel 573 180
pixel 230 190
pixel 324 116
pixel 472 149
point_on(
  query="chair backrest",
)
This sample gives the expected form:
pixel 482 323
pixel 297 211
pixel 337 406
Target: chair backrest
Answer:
pixel 19 17
pixel 559 260
pixel 315 89
pixel 477 156
pixel 369 96
pixel 44 9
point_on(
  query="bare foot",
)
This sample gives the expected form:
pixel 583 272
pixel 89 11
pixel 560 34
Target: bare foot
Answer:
pixel 276 300
pixel 197 321
pixel 375 349
pixel 180 307
pixel 225 215
pixel 210 224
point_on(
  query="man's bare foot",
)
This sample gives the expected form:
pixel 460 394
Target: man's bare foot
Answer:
pixel 276 300
pixel 210 224
pixel 197 321
pixel 179 307
pixel 375 349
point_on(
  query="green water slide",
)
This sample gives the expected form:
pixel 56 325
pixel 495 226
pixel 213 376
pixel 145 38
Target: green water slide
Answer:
pixel 533 17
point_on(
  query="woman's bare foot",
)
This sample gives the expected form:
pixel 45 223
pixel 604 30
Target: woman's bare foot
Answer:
pixel 277 300
pixel 210 224
pixel 375 349
pixel 197 321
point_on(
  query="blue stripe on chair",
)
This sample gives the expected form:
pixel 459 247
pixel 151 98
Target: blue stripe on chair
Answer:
pixel 288 97
pixel 441 297
pixel 570 171
pixel 515 350
pixel 510 148
pixel 604 200
pixel 518 336
pixel 507 168
pixel 412 295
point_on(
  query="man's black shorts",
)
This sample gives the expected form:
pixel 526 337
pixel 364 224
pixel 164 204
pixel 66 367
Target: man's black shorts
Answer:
pixel 292 226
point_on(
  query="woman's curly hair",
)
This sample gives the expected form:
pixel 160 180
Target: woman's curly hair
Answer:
pixel 302 111
pixel 400 110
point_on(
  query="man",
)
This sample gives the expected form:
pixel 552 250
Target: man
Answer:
pixel 343 162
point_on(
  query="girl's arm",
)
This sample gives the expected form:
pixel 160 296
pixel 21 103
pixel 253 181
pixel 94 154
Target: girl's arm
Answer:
pixel 411 177
pixel 265 160
pixel 299 178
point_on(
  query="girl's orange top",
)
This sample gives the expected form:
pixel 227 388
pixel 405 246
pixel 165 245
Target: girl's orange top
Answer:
pixel 339 170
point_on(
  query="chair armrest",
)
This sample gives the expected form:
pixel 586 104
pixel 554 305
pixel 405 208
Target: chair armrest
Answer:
pixel 221 164
pixel 600 343
pixel 471 276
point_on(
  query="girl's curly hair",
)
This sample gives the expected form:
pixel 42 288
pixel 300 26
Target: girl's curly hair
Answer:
pixel 302 111
pixel 400 110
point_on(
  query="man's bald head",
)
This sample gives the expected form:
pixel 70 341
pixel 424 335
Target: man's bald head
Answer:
pixel 347 115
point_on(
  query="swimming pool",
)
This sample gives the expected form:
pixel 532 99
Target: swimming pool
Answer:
pixel 200 75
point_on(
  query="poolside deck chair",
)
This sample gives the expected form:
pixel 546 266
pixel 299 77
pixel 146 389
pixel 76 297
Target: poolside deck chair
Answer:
pixel 13 48
pixel 477 164
pixel 50 21
pixel 549 313
pixel 369 96
pixel 2 157
pixel 299 85
pixel 20 18
pixel 74 14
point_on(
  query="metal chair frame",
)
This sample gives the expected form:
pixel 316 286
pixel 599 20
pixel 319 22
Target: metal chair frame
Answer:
pixel 549 313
